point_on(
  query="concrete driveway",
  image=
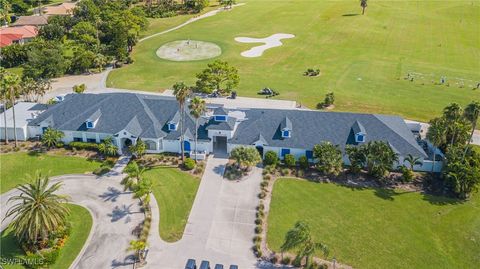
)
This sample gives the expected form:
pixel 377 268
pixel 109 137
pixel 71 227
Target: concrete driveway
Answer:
pixel 220 227
pixel 115 214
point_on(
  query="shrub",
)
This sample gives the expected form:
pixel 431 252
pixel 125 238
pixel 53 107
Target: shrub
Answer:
pixel 274 259
pixel 102 170
pixel 300 173
pixel 189 164
pixel 257 238
pixel 83 146
pixel 260 214
pixel 80 88
pixel 271 158
pixel 303 162
pixel 258 221
pixel 286 260
pixel 297 262
pixel 267 177
pixel 289 160
pixel 261 206
pixel 258 229
pixel 285 171
pixel 262 195
pixel 264 184
pixel 407 174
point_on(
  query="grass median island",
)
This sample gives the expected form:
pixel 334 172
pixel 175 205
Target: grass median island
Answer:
pixel 362 59
pixel 376 228
pixel 15 166
pixel 175 192
pixel 81 221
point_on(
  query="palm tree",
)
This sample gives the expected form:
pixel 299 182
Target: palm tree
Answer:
pixel 107 147
pixel 471 113
pixel 300 239
pixel 181 92
pixel 52 137
pixel 138 246
pixel 197 109
pixel 38 211
pixel 436 135
pixel 135 173
pixel 4 98
pixel 10 85
pixel 363 4
pixel 143 190
pixel 412 161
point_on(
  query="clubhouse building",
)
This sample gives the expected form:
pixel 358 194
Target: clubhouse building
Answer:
pixel 128 117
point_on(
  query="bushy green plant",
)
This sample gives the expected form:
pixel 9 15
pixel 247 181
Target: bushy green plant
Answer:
pixel 271 158
pixel 303 162
pixel 83 146
pixel 258 229
pixel 289 160
pixel 189 164
pixel 262 195
pixel 407 174
pixel 286 260
pixel 258 221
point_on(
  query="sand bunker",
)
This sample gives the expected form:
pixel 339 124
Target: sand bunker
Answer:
pixel 270 42
pixel 188 50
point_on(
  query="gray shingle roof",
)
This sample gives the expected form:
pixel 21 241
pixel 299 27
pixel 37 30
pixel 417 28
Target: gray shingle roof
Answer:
pixel 313 127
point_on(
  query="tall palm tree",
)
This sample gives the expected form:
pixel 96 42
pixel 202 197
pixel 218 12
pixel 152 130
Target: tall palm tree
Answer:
pixel 143 190
pixel 412 161
pixel 197 109
pixel 363 4
pixel 471 113
pixel 38 211
pixel 4 98
pixel 300 239
pixel 436 135
pixel 12 84
pixel 181 92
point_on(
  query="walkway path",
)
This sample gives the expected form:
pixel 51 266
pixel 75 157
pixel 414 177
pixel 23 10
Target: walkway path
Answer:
pixel 220 227
pixel 194 19
pixel 115 214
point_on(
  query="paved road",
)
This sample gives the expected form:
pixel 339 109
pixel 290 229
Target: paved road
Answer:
pixel 115 214
pixel 220 227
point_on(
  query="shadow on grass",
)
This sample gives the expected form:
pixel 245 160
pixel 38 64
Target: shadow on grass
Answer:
pixel 34 153
pixel 350 14
pixel 441 200
pixel 9 245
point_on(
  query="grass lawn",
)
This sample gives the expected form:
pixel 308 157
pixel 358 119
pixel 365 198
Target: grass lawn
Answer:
pixel 174 191
pixel 363 59
pixel 81 224
pixel 15 166
pixel 374 228
pixel 476 148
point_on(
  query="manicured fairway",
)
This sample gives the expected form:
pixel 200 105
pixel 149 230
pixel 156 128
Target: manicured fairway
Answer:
pixel 81 224
pixel 15 166
pixel 363 59
pixel 174 191
pixel 370 228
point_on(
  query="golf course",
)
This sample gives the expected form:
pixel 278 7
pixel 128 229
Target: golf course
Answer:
pixel 390 60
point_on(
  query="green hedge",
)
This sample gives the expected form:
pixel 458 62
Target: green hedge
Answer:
pixel 83 145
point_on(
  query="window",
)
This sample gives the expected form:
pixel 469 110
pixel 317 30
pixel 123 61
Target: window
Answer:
pixel 89 124
pixel 44 129
pixel 172 126
pixel 91 140
pixel 151 145
pixel 78 139
pixel 286 133
pixel 309 154
pixel 220 118
pixel 285 152
pixel 359 138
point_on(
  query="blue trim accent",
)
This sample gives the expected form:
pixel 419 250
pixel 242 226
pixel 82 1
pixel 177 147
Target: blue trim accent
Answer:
pixel 220 118
pixel 186 145
pixel 359 138
pixel 286 133
pixel 285 152
pixel 309 154
pixel 172 127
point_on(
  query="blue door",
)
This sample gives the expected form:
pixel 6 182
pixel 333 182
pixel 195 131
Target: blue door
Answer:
pixel 285 152
pixel 186 145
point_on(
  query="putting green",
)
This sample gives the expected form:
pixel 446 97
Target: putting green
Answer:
pixel 188 50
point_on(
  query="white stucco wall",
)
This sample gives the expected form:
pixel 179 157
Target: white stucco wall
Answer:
pixel 21 133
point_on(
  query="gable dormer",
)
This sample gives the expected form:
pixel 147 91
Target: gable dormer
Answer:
pixel 359 131
pixel 220 114
pixel 286 128
pixel 91 122
pixel 172 124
